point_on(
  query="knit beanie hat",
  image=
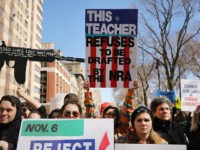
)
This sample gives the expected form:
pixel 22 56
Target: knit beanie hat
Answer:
pixel 139 110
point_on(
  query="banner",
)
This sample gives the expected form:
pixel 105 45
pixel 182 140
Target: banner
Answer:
pixel 64 134
pixel 190 94
pixel 111 47
pixel 149 147
pixel 169 94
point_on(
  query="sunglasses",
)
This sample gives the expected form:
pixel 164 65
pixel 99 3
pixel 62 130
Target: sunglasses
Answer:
pixel 142 109
pixel 24 109
pixel 69 114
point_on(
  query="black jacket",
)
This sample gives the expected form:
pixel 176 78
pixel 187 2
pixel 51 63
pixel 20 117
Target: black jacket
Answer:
pixel 9 132
pixel 170 131
pixel 194 140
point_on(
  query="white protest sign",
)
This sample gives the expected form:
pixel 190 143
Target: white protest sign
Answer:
pixel 64 134
pixel 190 94
pixel 149 147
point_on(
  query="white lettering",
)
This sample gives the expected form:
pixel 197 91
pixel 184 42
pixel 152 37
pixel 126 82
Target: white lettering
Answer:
pixel 96 28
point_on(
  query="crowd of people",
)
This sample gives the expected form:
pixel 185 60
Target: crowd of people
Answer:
pixel 141 125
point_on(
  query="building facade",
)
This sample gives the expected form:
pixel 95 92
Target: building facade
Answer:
pixel 21 26
pixel 55 79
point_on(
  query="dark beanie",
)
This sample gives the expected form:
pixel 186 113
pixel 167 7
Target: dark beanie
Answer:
pixel 139 110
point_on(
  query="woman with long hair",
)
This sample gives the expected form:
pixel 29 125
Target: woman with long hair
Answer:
pixel 142 129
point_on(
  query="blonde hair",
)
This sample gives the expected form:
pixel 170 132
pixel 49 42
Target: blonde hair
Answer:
pixel 156 138
pixel 195 119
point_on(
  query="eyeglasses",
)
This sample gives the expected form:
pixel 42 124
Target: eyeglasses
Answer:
pixel 74 114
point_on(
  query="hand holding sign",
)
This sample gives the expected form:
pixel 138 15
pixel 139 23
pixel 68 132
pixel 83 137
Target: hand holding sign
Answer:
pixel 135 86
pixel 86 85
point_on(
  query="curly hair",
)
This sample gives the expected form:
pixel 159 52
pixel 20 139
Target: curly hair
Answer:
pixel 158 101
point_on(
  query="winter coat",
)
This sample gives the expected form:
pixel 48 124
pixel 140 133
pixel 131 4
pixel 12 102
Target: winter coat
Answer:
pixel 9 132
pixel 194 140
pixel 170 131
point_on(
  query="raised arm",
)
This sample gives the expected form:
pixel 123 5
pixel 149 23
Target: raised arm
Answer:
pixel 88 102
pixel 33 103
pixel 128 107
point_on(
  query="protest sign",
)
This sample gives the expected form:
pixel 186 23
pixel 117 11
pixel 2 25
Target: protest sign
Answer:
pixel 190 94
pixel 149 147
pixel 63 134
pixel 111 47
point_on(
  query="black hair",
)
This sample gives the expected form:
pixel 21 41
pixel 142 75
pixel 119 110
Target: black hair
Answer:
pixel 71 97
pixel 71 102
pixel 116 110
pixel 34 112
pixel 57 110
pixel 16 103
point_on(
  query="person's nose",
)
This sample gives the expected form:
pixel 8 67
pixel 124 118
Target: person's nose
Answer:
pixel 143 122
pixel 3 112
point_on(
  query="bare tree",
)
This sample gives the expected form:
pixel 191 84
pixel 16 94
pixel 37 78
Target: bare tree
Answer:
pixel 191 57
pixel 160 40
pixel 144 72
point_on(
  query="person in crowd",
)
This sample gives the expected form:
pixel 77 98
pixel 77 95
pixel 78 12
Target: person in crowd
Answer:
pixel 194 135
pixel 127 108
pixel 26 109
pixel 183 118
pixel 71 97
pixel 142 129
pixel 122 119
pixel 113 112
pixel 34 114
pixel 55 114
pixel 89 102
pixel 71 110
pixel 171 131
pixel 102 107
pixel 10 121
pixel 36 105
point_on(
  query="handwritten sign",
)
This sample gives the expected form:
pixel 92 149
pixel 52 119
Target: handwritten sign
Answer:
pixel 111 47
pixel 190 94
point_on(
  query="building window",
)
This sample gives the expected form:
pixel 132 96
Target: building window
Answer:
pixel 36 98
pixel 37 68
pixel 36 79
pixel 43 99
pixel 39 10
pixel 44 64
pixel 39 29
pixel 43 76
pixel 37 90
pixel 38 38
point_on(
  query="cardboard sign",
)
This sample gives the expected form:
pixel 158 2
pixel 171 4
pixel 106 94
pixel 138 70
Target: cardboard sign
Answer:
pixel 149 147
pixel 111 47
pixel 64 134
pixel 190 94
